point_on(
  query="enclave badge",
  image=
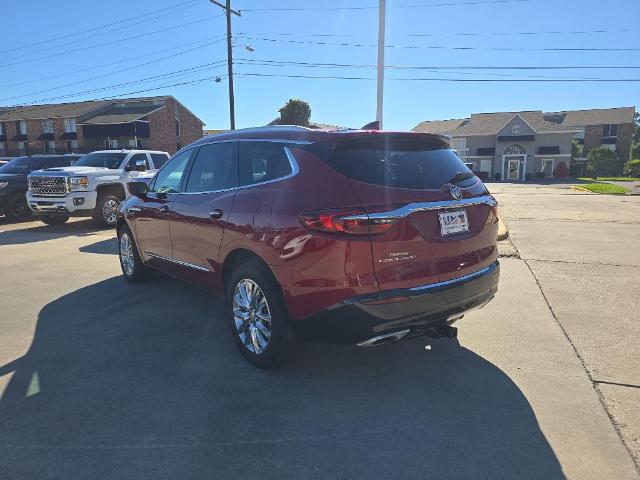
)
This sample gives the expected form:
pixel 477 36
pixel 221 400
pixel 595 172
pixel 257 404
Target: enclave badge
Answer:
pixel 456 192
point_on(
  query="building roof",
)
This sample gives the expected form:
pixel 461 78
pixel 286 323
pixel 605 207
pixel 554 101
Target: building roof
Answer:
pixel 598 116
pixel 77 109
pixel 492 123
pixel 438 126
pixel 116 115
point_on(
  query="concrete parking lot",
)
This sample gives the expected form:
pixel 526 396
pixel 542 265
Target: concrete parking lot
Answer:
pixel 100 379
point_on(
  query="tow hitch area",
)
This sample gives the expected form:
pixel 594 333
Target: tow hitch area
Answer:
pixel 442 331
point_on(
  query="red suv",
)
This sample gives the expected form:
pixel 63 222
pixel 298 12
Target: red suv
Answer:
pixel 346 236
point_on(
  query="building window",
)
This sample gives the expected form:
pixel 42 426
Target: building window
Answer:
pixel 69 125
pixel 515 149
pixel 609 146
pixel 547 167
pixel 485 166
pixel 71 145
pixel 47 126
pixel 49 146
pixel 111 144
pixel 177 127
pixel 23 148
pixel 21 127
pixel 2 147
pixel 609 131
pixel 1 128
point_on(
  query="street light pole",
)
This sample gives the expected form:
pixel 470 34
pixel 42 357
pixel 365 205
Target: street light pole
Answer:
pixel 381 31
pixel 228 11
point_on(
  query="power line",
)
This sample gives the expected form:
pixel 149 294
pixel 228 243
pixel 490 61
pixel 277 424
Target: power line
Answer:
pixel 117 62
pixel 114 72
pixel 426 5
pixel 69 35
pixel 442 47
pixel 112 42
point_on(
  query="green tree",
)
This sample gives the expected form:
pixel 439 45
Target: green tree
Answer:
pixel 635 150
pixel 602 162
pixel 632 168
pixel 636 127
pixel 295 112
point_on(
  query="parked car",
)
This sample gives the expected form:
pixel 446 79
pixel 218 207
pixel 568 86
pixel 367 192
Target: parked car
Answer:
pixel 352 237
pixel 93 187
pixel 13 181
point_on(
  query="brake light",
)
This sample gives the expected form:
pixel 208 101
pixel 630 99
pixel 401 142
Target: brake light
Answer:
pixel 493 216
pixel 352 223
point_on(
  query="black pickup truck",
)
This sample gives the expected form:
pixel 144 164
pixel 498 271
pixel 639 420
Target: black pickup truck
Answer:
pixel 13 181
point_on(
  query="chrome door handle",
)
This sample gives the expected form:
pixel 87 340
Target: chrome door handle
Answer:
pixel 163 209
pixel 216 214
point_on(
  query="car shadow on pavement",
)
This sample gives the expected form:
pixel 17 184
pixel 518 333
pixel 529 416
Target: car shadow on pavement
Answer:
pixel 103 247
pixel 42 232
pixel 145 381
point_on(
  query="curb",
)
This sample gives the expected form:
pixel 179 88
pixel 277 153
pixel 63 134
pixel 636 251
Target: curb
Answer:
pixel 503 231
pixel 584 190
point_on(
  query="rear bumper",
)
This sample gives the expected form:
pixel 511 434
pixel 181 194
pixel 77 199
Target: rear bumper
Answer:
pixel 360 318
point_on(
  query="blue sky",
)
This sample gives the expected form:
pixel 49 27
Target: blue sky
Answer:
pixel 36 64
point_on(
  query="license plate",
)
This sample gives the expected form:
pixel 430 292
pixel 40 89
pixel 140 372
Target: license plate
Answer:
pixel 453 222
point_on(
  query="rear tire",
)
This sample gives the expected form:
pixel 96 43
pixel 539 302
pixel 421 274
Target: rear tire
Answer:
pixel 133 269
pixel 106 212
pixel 17 207
pixel 54 219
pixel 258 318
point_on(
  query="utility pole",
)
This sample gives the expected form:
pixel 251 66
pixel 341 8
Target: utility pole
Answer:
pixel 232 109
pixel 381 28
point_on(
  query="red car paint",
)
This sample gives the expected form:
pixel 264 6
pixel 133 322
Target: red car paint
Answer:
pixel 316 270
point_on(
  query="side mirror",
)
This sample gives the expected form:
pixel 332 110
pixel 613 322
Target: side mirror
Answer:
pixel 137 166
pixel 138 189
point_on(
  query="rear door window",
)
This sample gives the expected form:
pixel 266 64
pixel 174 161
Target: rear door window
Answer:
pixel 262 162
pixel 159 159
pixel 399 163
pixel 214 168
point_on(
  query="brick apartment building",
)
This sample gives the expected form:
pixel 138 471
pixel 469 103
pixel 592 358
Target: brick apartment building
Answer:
pixel 157 123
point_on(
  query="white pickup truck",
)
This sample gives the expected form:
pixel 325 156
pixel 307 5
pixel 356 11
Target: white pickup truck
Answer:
pixel 93 187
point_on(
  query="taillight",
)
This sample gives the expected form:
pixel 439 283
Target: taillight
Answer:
pixel 353 223
pixel 493 215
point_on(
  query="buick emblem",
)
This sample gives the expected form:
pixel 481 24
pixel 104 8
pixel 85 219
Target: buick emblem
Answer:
pixel 456 192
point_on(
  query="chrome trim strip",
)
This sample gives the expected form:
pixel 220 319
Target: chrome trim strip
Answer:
pixel 453 281
pixel 134 209
pixel 410 208
pixel 176 261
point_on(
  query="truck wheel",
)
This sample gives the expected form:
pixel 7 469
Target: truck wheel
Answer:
pixel 106 212
pixel 132 267
pixel 54 219
pixel 259 322
pixel 17 208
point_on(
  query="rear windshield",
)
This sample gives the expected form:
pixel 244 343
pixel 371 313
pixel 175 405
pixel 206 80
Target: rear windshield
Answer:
pixel 400 163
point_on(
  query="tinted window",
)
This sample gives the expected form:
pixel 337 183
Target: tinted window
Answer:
pixel 18 165
pixel 168 179
pixel 400 163
pixel 159 159
pixel 111 160
pixel 213 169
pixel 262 161
pixel 56 162
pixel 139 156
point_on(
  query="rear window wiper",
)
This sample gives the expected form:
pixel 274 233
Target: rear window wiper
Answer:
pixel 460 176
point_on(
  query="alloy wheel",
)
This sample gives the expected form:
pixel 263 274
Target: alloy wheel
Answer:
pixel 126 254
pixel 252 316
pixel 110 211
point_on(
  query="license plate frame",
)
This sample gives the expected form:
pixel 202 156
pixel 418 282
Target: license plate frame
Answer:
pixel 453 222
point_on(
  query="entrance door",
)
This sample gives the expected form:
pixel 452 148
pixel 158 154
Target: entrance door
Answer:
pixel 513 170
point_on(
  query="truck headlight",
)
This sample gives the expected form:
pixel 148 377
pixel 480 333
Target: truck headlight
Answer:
pixel 77 183
pixel 3 184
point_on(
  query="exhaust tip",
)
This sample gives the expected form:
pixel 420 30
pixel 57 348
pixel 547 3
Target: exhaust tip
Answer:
pixel 386 338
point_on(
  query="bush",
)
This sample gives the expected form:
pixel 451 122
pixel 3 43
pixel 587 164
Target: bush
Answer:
pixel 602 162
pixel 632 168
pixel 635 150
pixel 561 171
pixel 295 112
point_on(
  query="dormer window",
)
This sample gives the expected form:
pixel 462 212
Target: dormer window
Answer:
pixel 515 129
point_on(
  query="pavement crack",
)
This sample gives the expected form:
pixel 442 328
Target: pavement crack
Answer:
pixel 618 384
pixel 573 262
pixel 594 382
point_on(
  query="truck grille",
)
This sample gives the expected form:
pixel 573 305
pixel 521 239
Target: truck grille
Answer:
pixel 54 186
